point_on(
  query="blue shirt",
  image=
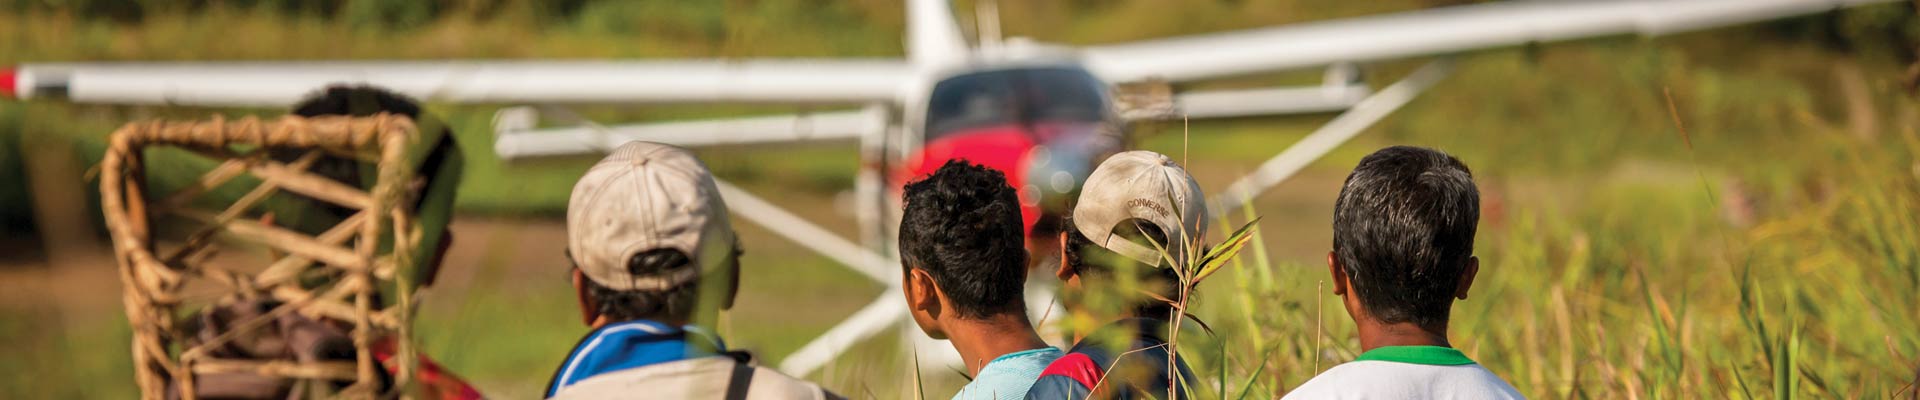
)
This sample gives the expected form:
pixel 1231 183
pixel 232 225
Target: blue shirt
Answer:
pixel 632 344
pixel 1009 376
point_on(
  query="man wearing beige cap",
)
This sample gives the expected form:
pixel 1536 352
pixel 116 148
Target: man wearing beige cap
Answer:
pixel 654 259
pixel 1134 204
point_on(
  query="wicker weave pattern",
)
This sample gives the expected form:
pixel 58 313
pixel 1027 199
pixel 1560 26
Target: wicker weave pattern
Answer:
pixel 153 280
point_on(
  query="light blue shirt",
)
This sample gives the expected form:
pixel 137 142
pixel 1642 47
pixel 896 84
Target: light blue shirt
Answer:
pixel 1009 376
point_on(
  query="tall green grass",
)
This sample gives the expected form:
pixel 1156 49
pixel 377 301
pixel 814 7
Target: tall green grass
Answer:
pixel 1646 290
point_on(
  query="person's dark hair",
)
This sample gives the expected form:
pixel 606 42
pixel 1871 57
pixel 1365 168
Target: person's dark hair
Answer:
pixel 627 305
pixel 962 225
pixel 431 194
pixel 1089 258
pixel 362 101
pixel 359 101
pixel 1403 231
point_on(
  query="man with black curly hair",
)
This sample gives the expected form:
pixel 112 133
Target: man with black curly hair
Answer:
pixel 964 270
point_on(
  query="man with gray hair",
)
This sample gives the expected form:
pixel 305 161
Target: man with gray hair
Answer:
pixel 655 259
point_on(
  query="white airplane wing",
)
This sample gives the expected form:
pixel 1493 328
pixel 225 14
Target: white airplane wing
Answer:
pixel 1425 32
pixel 282 83
pixel 515 134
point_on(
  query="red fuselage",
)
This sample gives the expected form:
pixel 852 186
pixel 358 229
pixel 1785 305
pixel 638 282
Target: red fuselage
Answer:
pixel 1044 162
pixel 1045 127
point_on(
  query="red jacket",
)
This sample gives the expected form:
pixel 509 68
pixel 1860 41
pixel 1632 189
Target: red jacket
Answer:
pixel 430 381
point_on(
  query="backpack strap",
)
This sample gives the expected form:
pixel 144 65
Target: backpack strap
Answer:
pixel 742 374
pixel 742 378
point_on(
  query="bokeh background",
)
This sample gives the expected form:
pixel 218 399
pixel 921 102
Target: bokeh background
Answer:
pixel 1732 212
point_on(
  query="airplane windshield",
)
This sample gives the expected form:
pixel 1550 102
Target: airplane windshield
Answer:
pixel 1016 96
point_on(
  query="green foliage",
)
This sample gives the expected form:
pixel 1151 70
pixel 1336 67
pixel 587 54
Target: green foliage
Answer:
pixel 1218 255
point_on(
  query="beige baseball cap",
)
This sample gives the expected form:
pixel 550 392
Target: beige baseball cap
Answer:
pixel 647 196
pixel 1148 186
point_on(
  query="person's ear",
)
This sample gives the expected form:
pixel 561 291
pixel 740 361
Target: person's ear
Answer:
pixel 1339 275
pixel 439 256
pixel 1066 270
pixel 589 309
pixel 921 292
pixel 733 283
pixel 1466 278
pixel 923 302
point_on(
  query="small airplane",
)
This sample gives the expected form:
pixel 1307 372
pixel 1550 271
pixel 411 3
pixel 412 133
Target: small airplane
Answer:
pixel 1044 114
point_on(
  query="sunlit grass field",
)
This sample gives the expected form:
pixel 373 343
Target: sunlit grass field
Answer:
pixel 1722 214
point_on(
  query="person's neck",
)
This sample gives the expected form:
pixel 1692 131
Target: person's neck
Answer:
pixel 1374 334
pixel 981 341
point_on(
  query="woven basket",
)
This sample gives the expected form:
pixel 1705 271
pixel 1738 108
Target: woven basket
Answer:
pixel 349 257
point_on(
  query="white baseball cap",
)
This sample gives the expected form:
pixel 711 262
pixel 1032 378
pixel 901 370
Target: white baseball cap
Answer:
pixel 646 196
pixel 1147 186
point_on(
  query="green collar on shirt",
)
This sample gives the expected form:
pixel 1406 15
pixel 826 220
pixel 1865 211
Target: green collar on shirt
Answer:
pixel 1424 355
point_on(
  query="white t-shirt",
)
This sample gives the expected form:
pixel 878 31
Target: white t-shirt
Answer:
pixel 1407 372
